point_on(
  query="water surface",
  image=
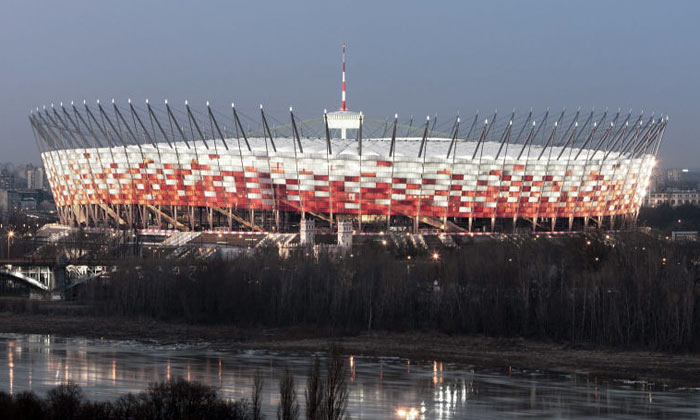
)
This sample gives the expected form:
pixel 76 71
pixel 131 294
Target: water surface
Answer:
pixel 378 387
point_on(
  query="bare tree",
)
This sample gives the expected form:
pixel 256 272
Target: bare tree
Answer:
pixel 336 387
pixel 314 392
pixel 256 399
pixel 289 407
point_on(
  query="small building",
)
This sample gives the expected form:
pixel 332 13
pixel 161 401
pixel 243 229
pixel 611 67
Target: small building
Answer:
pixel 27 203
pixel 673 198
pixel 691 235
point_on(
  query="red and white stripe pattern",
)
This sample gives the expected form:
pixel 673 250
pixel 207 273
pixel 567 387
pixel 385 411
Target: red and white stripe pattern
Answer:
pixel 347 184
pixel 343 106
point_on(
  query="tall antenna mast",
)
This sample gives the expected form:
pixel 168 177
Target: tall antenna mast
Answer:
pixel 342 119
pixel 343 104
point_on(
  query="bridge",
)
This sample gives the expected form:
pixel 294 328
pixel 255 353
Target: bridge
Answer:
pixel 52 276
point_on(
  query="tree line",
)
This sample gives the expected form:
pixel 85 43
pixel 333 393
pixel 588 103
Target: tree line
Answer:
pixel 627 289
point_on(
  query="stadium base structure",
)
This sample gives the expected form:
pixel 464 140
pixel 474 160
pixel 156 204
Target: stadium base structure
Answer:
pixel 161 167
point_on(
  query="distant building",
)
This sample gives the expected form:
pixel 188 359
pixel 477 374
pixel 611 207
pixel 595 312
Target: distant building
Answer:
pixel 673 198
pixel 35 178
pixel 30 175
pixel 656 180
pixel 9 200
pixel 41 180
pixel 691 235
pixel 673 175
pixel 7 180
pixel 27 204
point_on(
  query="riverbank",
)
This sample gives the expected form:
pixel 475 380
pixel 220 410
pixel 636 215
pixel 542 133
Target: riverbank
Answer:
pixel 597 363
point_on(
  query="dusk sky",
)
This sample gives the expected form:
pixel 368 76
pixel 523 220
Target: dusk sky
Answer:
pixel 407 57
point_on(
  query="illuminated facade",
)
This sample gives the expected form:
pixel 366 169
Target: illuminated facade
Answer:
pixel 136 167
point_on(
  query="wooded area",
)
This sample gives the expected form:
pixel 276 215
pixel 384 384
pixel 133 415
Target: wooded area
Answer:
pixel 623 289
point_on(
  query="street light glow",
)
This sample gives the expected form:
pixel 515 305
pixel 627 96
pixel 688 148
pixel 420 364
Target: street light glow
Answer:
pixel 10 235
pixel 408 414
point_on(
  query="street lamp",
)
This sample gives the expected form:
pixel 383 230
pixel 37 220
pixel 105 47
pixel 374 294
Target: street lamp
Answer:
pixel 10 235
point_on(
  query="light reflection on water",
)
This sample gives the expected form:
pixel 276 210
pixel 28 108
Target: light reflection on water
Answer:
pixel 379 387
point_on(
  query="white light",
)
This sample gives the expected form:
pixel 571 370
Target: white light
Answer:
pixel 509 122
pixel 84 101
pixel 98 102
pixel 427 117
pixel 61 104
pixel 112 100
pixel 459 119
pixel 556 123
pixel 290 109
pixel 166 101
pixel 534 123
pixel 396 116
pixel 51 105
pixel 128 100
pixel 486 121
pixel 324 110
pixel 146 100
pixel 71 103
pixel 207 103
pixel 185 102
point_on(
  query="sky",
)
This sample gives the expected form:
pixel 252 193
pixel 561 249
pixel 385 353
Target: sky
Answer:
pixel 406 57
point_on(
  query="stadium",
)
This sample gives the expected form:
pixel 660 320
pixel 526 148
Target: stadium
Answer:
pixel 186 168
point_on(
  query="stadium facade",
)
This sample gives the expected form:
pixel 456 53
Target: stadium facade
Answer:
pixel 145 166
pixel 178 168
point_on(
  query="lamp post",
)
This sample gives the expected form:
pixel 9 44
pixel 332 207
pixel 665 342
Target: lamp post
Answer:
pixel 10 235
pixel 436 282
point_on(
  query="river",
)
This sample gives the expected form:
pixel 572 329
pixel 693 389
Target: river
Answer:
pixel 379 388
